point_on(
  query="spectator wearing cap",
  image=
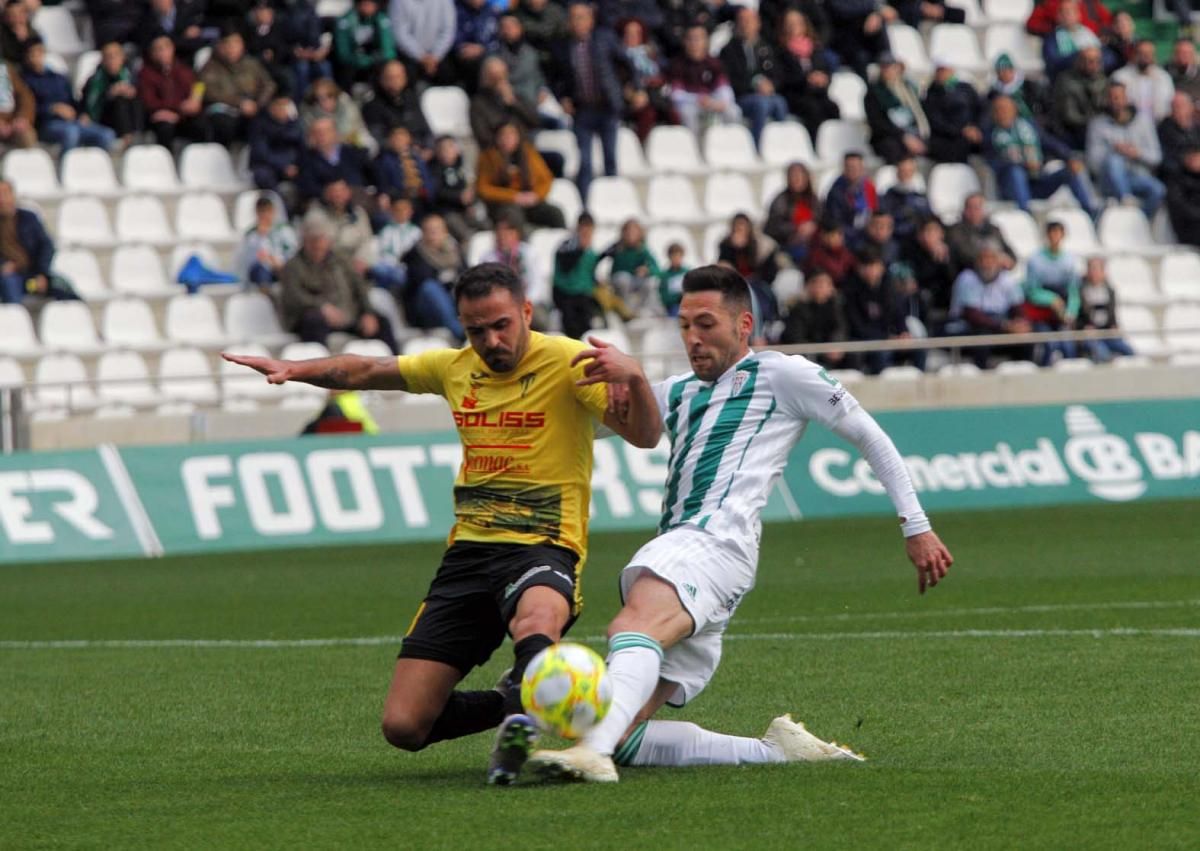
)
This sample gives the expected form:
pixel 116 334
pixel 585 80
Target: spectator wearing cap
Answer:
pixel 1183 198
pixel 852 198
pixel 59 120
pixel 1184 68
pixel 1123 152
pixel 476 37
pixel 393 103
pixel 171 99
pixel 794 213
pixel 182 20
pixel 589 88
pixel 818 317
pixel 1176 133
pixel 236 87
pixel 424 32
pixel 859 31
pixel 805 71
pixel 1079 94
pixel 1031 96
pixel 362 41
pixel 1016 154
pixel 320 292
pixel 753 71
pixel 905 200
pixel 899 126
pixel 1148 85
pixel 953 109
pixel 1068 37
pixel 309 51
pixel 700 91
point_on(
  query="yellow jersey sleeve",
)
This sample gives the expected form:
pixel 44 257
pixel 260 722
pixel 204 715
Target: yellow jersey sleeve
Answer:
pixel 594 397
pixel 426 372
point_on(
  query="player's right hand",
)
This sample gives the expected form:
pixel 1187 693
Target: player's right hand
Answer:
pixel 930 557
pixel 276 371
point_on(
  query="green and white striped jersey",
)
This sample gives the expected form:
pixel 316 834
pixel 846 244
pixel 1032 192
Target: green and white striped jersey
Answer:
pixel 731 438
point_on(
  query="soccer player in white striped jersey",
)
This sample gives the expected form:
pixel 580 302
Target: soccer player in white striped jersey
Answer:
pixel 732 421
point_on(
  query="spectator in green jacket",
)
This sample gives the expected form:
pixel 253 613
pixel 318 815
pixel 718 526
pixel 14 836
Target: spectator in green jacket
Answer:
pixel 362 41
pixel 575 279
pixel 634 269
pixel 670 280
pixel 110 95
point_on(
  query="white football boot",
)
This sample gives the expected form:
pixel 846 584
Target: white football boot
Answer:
pixel 578 764
pixel 798 745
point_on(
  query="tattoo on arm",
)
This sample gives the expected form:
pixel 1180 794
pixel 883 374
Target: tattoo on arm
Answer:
pixel 332 378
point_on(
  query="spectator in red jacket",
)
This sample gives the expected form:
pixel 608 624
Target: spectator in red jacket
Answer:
pixel 1092 13
pixel 168 92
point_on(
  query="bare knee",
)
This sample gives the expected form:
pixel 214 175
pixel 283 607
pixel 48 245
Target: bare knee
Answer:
pixel 404 732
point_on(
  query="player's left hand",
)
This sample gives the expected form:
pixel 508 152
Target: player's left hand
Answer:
pixel 606 364
pixel 930 557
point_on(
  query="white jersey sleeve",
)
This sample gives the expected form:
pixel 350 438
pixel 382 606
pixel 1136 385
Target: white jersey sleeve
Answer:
pixel 806 391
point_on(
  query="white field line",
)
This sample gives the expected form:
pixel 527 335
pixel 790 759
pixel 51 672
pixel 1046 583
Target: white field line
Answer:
pixel 394 640
pixel 970 612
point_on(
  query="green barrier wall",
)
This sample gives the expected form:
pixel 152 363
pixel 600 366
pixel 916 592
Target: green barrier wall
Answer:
pixel 322 491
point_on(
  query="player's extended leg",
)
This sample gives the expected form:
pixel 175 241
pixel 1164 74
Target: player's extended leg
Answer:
pixel 417 699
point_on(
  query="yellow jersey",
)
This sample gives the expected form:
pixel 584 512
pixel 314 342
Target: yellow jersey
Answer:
pixel 526 474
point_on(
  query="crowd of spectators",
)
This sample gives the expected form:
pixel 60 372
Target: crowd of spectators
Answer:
pixel 330 113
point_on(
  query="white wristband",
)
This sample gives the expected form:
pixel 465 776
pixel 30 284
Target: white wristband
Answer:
pixel 915 524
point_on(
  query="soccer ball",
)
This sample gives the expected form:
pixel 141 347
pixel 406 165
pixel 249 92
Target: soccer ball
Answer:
pixel 566 689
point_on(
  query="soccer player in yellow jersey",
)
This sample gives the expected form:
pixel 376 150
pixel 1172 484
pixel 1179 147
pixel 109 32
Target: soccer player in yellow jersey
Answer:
pixel 524 405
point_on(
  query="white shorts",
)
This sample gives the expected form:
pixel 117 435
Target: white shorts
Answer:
pixel 710 576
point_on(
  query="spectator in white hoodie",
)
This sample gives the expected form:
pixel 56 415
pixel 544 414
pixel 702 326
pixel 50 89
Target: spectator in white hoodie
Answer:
pixel 1148 84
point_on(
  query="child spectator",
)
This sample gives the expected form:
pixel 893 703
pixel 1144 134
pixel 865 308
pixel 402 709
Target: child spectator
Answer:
pixel 1098 310
pixel 454 196
pixel 670 280
pixel 400 172
pixel 266 246
pixel 392 244
pixel 818 317
pixel 575 279
pixel 634 268
pixel 58 118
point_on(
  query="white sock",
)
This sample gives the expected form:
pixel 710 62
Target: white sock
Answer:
pixel 679 743
pixel 634 661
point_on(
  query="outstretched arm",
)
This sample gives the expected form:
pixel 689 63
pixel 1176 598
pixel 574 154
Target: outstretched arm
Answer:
pixel 341 372
pixel 925 549
pixel 632 411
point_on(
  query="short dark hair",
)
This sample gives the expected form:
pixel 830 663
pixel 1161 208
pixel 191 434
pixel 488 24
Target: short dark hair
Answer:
pixel 852 155
pixel 264 201
pixel 734 290
pixel 479 281
pixel 1055 224
pixel 585 220
pixel 868 255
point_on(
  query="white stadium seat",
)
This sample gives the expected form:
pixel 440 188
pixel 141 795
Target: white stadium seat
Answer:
pixel 908 46
pixel 184 375
pixel 367 348
pixel 713 234
pixel 143 219
pixel 728 194
pixel 61 381
pixel 383 303
pixel 788 286
pixel 786 142
pixel 137 270
pixel 243 208
pixel 1073 365
pixel 1181 324
pixel 241 382
pixel 957 44
pixel 85 66
pixel 208 167
pixel 975 17
pixel 11 374
pixel 963 369
pixel 1141 329
pixel 671 198
pixel 612 200
pixel 730 147
pixel 631 158
pixel 32 174
pixel 562 142
pixel 885 178
pixel 1013 11
pixel 89 171
pixel 1179 276
pixel 84 221
pixel 56 26
pixel 423 343
pixel 773 182
pixel 309 351
pixel 1016 367
pixel 16 331
pixel 251 317
pixel 901 373
pixel 1011 39
pixel 68 326
pixel 1126 229
pixel 848 91
pixel 672 149
pixel 614 335
pixel 543 242
pixel 122 377
pixel 659 237
pixel 1132 280
pixel 1080 235
pixel 564 194
pixel 150 168
pixel 80 267
pixel 129 323
pixel 58 64
pixel 1020 231
pixel 193 319
pixel 478 246
pixel 447 110
pixel 949 186
pixel 202 216
pixel 836 138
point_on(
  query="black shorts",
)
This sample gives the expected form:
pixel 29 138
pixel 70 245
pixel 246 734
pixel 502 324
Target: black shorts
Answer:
pixel 465 615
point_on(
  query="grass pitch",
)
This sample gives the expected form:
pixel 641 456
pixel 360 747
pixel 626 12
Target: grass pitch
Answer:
pixel 1046 696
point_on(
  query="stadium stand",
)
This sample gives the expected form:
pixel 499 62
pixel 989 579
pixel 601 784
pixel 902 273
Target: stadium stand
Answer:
pixel 125 221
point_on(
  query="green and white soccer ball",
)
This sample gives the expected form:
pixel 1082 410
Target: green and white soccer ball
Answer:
pixel 566 689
